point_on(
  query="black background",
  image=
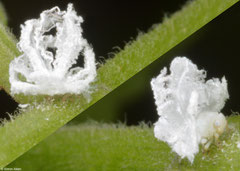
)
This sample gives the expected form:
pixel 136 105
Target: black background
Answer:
pixel 106 23
pixel 113 23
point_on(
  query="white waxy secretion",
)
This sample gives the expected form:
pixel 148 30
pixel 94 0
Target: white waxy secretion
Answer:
pixel 189 107
pixel 47 63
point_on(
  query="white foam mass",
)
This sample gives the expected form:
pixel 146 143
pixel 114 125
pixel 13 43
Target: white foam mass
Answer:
pixel 40 70
pixel 189 107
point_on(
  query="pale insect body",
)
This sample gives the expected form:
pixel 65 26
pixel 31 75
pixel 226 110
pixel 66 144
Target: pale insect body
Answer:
pixel 210 126
pixel 189 107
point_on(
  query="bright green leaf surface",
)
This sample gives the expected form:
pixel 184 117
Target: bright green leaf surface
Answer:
pixel 94 146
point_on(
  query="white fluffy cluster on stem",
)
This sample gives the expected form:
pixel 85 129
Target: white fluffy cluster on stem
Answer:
pixel 47 63
pixel 189 107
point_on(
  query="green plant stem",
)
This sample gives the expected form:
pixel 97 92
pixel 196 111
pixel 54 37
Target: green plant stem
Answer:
pixel 46 114
pixel 8 51
pixel 3 15
pixel 96 146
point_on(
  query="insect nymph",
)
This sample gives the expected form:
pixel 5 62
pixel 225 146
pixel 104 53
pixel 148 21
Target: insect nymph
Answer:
pixel 40 71
pixel 189 107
